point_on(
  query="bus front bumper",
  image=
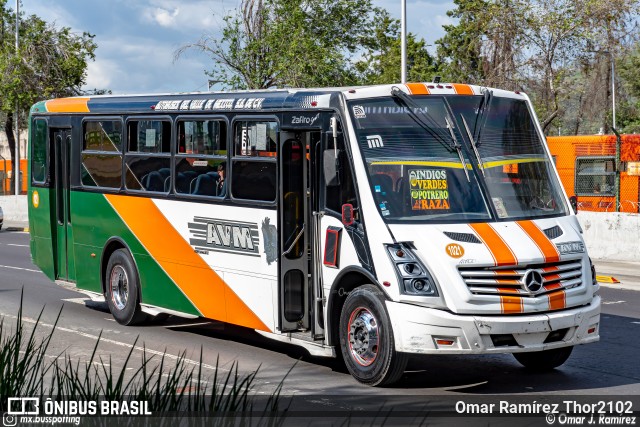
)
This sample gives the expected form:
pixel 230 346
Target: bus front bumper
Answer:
pixel 430 331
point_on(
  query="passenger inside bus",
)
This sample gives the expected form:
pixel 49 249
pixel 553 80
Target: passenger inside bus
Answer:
pixel 221 185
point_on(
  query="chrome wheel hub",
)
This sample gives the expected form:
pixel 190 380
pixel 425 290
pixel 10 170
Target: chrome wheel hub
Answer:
pixel 119 282
pixel 363 336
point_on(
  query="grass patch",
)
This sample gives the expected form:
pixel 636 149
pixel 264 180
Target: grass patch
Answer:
pixel 167 386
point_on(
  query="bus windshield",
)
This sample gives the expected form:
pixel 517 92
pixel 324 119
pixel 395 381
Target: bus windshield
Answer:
pixel 419 155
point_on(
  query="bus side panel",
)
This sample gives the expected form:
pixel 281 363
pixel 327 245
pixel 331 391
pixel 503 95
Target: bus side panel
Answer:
pixel 231 253
pixel 565 162
pixel 629 193
pixel 40 223
pixel 95 222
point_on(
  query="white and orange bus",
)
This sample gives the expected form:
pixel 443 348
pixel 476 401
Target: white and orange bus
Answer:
pixel 367 222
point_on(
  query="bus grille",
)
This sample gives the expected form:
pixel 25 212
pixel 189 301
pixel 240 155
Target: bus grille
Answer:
pixel 510 281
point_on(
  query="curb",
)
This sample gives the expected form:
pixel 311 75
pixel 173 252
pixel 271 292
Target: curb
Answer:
pixel 24 229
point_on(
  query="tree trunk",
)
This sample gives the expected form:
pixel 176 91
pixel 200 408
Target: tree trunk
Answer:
pixel 545 124
pixel 605 118
pixel 8 129
pixel 580 114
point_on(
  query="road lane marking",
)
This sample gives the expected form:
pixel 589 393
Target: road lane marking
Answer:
pixel 20 268
pixel 118 343
pixel 13 244
pixel 613 302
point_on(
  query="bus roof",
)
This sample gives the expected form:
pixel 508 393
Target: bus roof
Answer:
pixel 248 100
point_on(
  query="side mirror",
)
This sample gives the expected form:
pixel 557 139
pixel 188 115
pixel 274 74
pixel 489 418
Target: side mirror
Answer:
pixel 574 203
pixel 347 214
pixel 331 167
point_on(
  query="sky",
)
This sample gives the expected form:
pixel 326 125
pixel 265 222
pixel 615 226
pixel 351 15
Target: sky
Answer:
pixel 137 39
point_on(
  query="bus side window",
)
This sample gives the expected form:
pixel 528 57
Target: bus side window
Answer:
pixel 102 154
pixel 39 151
pixel 336 196
pixel 253 169
pixel 201 157
pixel 148 158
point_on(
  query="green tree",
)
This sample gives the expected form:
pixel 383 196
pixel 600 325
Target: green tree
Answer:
pixel 539 46
pixel 301 43
pixel 51 62
pixel 381 62
pixel 628 68
pixel 460 49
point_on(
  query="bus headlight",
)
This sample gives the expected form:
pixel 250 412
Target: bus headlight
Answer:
pixel 413 276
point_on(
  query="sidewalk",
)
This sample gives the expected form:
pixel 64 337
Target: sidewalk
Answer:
pixel 627 272
pixel 15 226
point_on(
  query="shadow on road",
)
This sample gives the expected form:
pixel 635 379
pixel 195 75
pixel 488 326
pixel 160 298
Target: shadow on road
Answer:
pixel 609 363
pixel 612 362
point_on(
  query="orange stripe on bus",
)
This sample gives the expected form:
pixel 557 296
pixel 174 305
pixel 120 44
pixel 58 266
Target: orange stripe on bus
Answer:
pixel 551 277
pixel 506 272
pixel 204 288
pixel 500 251
pixel 68 105
pixel 550 269
pixel 463 89
pixel 548 249
pixel 510 305
pixel 512 291
pixel 557 300
pixel 552 287
pixel 417 89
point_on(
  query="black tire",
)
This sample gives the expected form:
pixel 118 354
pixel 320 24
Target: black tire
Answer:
pixel 369 351
pixel 123 289
pixel 546 360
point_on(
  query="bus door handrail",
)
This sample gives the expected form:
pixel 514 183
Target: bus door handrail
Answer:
pixel 295 241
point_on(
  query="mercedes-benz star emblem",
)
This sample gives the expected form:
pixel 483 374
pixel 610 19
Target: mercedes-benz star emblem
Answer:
pixel 533 280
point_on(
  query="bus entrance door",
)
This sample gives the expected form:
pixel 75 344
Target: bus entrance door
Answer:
pixel 293 288
pixel 62 226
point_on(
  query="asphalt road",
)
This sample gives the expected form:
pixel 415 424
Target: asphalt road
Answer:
pixel 609 367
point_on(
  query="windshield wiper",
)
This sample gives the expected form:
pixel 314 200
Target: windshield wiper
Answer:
pixel 429 127
pixel 457 147
pixel 473 143
pixel 482 115
pixel 452 144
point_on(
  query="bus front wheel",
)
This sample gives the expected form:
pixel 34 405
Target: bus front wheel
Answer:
pixel 366 338
pixel 545 360
pixel 123 289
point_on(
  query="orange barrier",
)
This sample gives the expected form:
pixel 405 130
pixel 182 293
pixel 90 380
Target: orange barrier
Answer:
pixel 5 177
pixel 586 165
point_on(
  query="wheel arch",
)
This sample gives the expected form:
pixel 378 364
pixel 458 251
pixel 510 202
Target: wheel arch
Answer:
pixel 113 244
pixel 347 280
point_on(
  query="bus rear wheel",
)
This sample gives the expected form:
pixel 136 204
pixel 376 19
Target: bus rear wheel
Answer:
pixel 546 360
pixel 123 289
pixel 366 339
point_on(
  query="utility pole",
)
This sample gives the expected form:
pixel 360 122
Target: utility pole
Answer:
pixel 403 42
pixel 613 87
pixel 615 131
pixel 618 138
